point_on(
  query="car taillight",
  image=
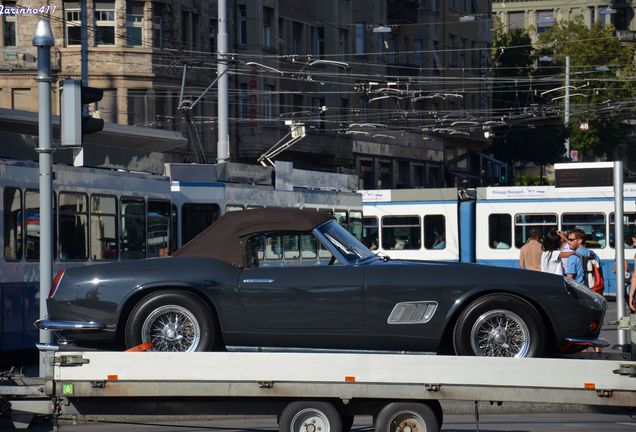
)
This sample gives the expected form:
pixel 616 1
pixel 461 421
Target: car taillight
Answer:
pixel 56 282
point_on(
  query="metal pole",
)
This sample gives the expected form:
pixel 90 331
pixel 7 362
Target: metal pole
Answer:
pixel 43 40
pixel 78 153
pixel 620 250
pixel 566 119
pixel 223 143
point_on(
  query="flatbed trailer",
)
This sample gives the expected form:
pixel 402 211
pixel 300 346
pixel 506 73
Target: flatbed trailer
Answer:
pixel 309 392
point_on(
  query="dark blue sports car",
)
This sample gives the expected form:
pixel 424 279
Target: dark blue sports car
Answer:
pixel 290 279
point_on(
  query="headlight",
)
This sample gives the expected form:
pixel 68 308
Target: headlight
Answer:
pixel 584 295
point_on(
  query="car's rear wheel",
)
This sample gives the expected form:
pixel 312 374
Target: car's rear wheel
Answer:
pixel 499 325
pixel 171 321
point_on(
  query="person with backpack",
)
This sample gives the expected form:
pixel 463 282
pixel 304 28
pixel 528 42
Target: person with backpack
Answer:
pixel 575 269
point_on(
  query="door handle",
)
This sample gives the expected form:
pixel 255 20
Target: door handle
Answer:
pixel 258 280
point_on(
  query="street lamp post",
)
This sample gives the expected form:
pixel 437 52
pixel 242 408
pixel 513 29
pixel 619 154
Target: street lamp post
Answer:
pixel 566 114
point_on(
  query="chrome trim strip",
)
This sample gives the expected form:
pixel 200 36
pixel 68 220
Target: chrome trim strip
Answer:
pixel 242 348
pixel 599 342
pixel 48 324
pixel 258 280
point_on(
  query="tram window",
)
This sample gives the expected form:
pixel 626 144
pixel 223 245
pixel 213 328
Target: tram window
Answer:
pixel 401 232
pixel 370 232
pixel 195 218
pixel 133 228
pixel 355 224
pixel 592 223
pixel 499 231
pixel 341 217
pixel 158 228
pixel 32 224
pixel 526 222
pixel 174 224
pixel 273 247
pixel 103 227
pixel 629 229
pixel 308 246
pixel 434 232
pixel 232 207
pixel 291 246
pixel 12 202
pixel 73 226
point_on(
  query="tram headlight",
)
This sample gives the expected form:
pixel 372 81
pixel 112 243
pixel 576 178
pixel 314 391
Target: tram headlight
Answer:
pixel 584 295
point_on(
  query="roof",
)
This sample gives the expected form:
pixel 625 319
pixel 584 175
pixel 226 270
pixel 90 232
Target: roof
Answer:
pixel 222 239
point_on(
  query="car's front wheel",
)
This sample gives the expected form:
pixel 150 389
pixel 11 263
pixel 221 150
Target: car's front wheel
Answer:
pixel 171 321
pixel 499 325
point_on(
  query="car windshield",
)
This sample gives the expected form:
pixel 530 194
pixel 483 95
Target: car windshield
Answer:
pixel 345 242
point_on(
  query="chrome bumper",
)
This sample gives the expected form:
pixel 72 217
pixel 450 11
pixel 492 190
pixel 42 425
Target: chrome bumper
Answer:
pixel 47 324
pixel 597 342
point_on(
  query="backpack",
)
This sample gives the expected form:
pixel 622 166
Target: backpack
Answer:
pixel 593 273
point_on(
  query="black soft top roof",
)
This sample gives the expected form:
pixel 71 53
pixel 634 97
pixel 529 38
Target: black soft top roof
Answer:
pixel 222 239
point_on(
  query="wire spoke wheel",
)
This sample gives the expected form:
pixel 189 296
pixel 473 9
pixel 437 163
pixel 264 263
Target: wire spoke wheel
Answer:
pixel 171 328
pixel 500 333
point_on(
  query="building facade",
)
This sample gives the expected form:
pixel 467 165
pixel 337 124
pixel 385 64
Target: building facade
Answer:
pixel 396 91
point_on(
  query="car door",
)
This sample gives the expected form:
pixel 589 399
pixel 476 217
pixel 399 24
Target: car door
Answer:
pixel 293 288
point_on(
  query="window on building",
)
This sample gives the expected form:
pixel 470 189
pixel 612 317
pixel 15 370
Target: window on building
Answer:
pixel 268 101
pixel 282 36
pixel 593 224
pixel 452 47
pixel 241 25
pixel 391 57
pixel 462 53
pixel 103 231
pixel 158 237
pixel 158 33
pixel 343 45
pixel 104 23
pixel 524 223
pixel 367 175
pixel 360 39
pixel 243 103
pixel 185 30
pixel 406 50
pixel 401 232
pixel 318 41
pixel 516 20
pixel 21 99
pixel 499 231
pixel 297 38
pixel 73 226
pixel 134 23
pixel 12 205
pixel 434 6
pixel 196 218
pixel 418 54
pixel 132 228
pixel 137 110
pixel 437 61
pixel 268 27
pixel 298 103
pixel 385 177
pixel 195 33
pixel 318 104
pixel 545 20
pixel 212 35
pixel 9 28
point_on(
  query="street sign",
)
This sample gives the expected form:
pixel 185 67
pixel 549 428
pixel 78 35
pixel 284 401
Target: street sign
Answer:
pixel 586 174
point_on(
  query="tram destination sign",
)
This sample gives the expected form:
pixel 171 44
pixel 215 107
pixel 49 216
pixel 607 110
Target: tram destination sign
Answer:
pixel 585 174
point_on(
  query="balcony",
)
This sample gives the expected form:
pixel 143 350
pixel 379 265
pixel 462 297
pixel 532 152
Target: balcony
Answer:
pixel 401 11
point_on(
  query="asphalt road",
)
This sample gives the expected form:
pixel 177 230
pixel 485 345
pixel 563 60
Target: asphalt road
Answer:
pixel 553 422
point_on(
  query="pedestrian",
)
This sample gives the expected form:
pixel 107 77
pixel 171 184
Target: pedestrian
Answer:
pixel 530 253
pixel 632 293
pixel 574 269
pixel 552 256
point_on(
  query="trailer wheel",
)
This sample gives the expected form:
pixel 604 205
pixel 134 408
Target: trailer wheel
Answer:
pixel 347 422
pixel 173 321
pixel 407 417
pixel 499 325
pixel 310 416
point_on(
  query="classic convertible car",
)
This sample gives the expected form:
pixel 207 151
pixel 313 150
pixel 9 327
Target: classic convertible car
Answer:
pixel 290 279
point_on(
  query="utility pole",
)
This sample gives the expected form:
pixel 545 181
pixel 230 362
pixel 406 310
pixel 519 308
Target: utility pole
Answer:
pixel 566 118
pixel 223 142
pixel 78 153
pixel 43 40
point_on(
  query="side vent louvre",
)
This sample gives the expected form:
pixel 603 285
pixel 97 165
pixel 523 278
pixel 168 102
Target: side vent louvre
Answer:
pixel 417 312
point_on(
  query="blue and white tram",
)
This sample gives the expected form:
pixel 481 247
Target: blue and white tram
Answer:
pixel 491 228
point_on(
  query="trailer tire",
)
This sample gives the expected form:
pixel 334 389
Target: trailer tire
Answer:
pixel 347 421
pixel 152 320
pixel 401 416
pixel 479 330
pixel 310 416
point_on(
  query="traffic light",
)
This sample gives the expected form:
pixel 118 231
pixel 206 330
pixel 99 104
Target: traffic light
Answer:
pixel 74 123
pixel 503 174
